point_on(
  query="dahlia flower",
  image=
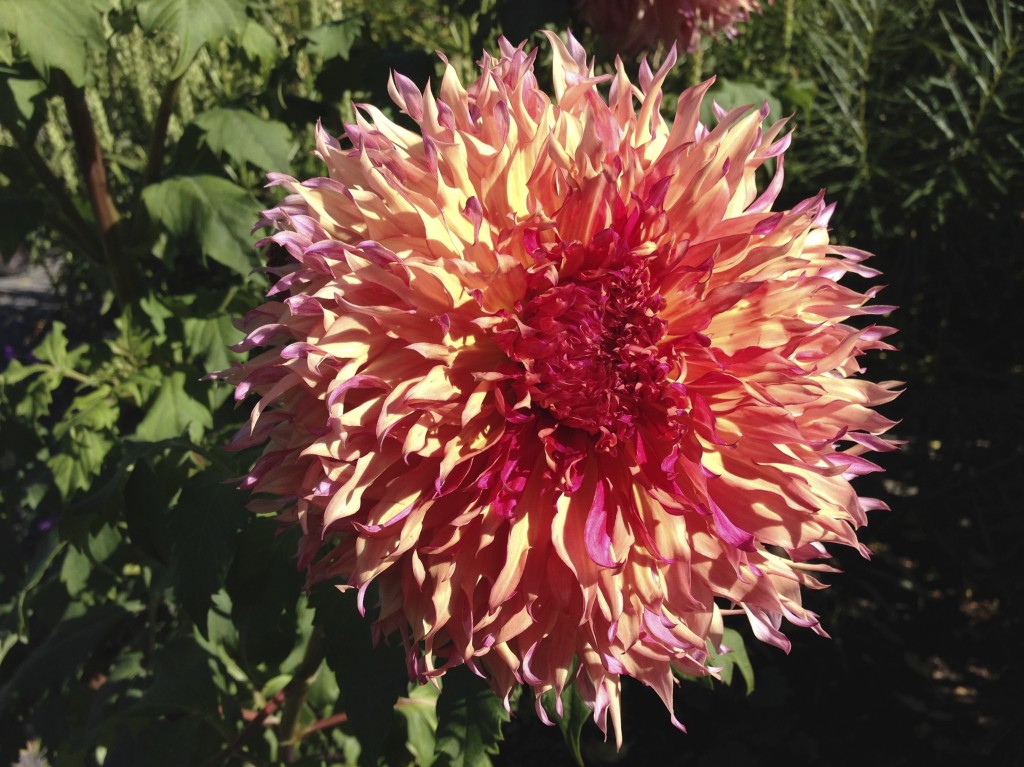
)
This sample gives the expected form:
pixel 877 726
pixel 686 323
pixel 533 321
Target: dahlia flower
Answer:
pixel 636 25
pixel 558 380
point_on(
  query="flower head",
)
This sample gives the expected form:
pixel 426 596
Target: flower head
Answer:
pixel 555 377
pixel 637 25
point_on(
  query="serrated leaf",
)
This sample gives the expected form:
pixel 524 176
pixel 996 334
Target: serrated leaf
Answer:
pixel 203 527
pixel 209 339
pixel 54 33
pixel 194 22
pixel 174 413
pixel 80 461
pixel 246 137
pixel 334 40
pixel 469 720
pixel 214 212
pixel 54 348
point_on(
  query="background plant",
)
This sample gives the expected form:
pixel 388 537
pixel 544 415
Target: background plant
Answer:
pixel 147 617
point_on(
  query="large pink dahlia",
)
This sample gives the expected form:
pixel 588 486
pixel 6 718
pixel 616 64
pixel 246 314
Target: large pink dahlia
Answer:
pixel 557 379
pixel 637 25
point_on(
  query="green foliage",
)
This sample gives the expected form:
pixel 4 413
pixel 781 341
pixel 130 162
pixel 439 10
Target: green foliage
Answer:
pixel 469 721
pixel 210 211
pixel 193 22
pixel 54 34
pixel 144 613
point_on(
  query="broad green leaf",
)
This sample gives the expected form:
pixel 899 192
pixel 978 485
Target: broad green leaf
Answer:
pixel 174 413
pixel 575 714
pixel 264 586
pixel 469 720
pixel 55 659
pixel 419 710
pixel 209 339
pixel 146 512
pixel 371 678
pixel 183 681
pixel 204 527
pixel 55 33
pixel 258 43
pixel 246 137
pixel 20 97
pixel 334 40
pixel 194 22
pixel 211 210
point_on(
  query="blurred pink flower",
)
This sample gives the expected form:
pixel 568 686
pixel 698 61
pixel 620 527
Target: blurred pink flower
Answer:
pixel 637 25
pixel 555 376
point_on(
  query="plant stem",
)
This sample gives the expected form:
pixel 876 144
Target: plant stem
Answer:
pixel 697 64
pixel 159 139
pixel 71 224
pixel 90 163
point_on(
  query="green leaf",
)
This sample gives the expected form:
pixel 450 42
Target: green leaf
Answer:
pixel 46 554
pixel 183 681
pixel 334 40
pixel 575 714
pixel 55 33
pixel 204 526
pixel 246 137
pixel 419 710
pixel 50 664
pixel 258 43
pixel 146 512
pixel 80 461
pixel 736 657
pixel 730 94
pixel 264 586
pixel 209 339
pixel 75 571
pixel 174 413
pixel 195 22
pixel 469 720
pixel 211 210
pixel 54 348
pixel 20 97
pixel 371 678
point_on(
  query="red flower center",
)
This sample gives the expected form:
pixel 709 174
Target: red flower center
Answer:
pixel 589 348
